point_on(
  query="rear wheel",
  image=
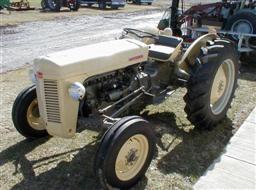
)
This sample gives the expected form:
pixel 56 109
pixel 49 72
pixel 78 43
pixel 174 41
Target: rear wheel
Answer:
pixel 212 85
pixel 243 22
pixel 54 5
pixel 26 116
pixel 125 153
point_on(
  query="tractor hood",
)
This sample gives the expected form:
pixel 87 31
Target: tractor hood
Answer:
pixel 91 59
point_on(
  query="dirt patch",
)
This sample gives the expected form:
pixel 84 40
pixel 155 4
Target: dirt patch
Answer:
pixel 183 153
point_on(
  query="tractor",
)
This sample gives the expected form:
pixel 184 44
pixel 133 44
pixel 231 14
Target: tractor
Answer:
pixel 103 82
pixel 234 19
pixel 55 5
pixel 21 5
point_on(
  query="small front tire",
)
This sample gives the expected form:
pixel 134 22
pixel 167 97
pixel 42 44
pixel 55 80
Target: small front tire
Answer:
pixel 125 152
pixel 26 116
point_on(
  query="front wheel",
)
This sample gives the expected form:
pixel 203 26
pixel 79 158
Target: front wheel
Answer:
pixel 26 116
pixel 125 153
pixel 212 85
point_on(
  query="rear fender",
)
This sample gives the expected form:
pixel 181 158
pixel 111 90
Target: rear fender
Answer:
pixel 193 51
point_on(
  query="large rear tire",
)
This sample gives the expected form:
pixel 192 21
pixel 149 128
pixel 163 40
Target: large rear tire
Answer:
pixel 243 22
pixel 212 85
pixel 125 152
pixel 26 116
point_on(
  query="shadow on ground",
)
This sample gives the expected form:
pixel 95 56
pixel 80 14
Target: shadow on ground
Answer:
pixel 17 155
pixel 76 174
pixel 248 71
pixel 188 152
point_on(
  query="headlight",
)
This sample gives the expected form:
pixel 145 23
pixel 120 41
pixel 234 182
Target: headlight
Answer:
pixel 32 76
pixel 77 91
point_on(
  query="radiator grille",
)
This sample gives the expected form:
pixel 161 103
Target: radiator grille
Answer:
pixel 52 101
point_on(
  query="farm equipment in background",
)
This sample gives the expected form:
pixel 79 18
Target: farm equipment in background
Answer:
pixel 140 2
pixel 4 4
pixel 55 5
pixel 113 4
pixel 22 5
pixel 235 19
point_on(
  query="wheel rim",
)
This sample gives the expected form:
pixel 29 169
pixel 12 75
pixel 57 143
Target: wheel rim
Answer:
pixel 131 157
pixel 242 26
pixel 33 116
pixel 222 86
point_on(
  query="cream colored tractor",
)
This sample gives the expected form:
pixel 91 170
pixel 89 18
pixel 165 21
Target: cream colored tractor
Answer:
pixel 105 80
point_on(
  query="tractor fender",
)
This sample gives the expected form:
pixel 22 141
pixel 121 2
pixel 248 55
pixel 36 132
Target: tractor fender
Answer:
pixel 189 58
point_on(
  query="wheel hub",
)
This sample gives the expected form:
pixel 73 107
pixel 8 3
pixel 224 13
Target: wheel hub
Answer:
pixel 33 116
pixel 219 85
pixel 222 86
pixel 131 157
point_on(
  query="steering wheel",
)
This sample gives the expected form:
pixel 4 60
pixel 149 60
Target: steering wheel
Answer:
pixel 140 33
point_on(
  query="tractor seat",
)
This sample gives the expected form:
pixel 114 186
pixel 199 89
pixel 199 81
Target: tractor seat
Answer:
pixel 164 47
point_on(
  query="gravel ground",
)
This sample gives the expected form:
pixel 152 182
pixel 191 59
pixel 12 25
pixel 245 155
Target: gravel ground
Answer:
pixel 183 154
